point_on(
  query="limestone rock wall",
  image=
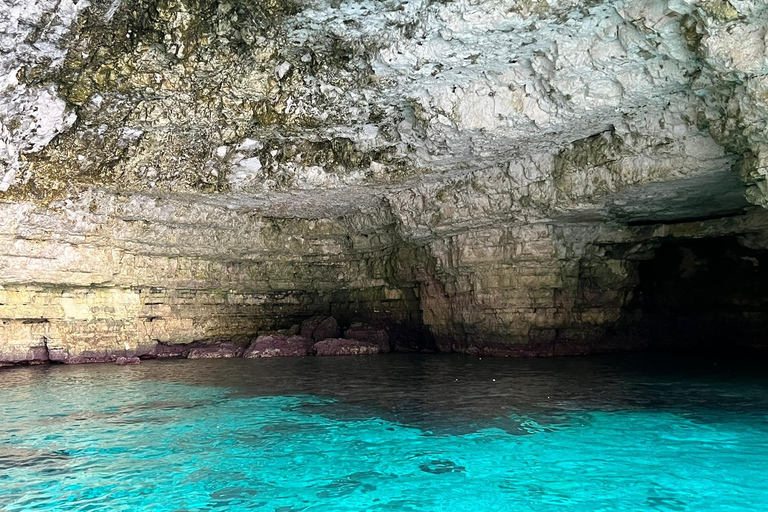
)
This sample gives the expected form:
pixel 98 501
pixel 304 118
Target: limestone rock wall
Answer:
pixel 121 273
pixel 124 273
pixel 489 173
pixel 533 290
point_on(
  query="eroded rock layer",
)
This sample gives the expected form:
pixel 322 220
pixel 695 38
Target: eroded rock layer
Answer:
pixel 480 176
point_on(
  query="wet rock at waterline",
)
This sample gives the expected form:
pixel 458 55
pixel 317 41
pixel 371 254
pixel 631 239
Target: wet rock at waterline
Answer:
pixel 127 361
pixel 368 333
pixel 169 350
pixel 278 345
pixel 217 351
pixel 32 355
pixel 195 350
pixel 345 347
pixel 269 345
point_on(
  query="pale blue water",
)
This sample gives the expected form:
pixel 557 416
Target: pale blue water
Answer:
pixel 398 432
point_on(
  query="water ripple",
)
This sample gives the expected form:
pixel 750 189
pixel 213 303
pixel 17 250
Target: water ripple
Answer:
pixel 386 434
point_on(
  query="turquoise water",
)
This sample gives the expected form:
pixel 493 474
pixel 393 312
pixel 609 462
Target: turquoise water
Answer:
pixel 398 432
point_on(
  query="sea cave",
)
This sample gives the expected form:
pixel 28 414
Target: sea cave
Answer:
pixel 411 255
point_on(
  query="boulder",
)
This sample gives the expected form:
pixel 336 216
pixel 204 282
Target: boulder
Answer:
pixel 328 328
pixel 125 361
pixel 309 325
pixel 279 345
pixel 369 333
pixel 320 328
pixel 345 347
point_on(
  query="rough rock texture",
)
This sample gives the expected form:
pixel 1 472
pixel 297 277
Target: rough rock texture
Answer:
pixel 169 350
pixel 344 347
pixel 217 351
pixel 371 334
pixel 488 173
pixel 309 325
pixel 328 328
pixel 277 345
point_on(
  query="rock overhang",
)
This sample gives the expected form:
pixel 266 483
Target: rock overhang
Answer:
pixel 189 97
pixel 443 163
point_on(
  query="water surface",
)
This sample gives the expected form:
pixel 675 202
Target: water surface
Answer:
pixel 395 432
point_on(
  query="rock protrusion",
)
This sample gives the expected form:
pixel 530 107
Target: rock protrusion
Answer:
pixel 196 350
pixel 169 350
pixel 63 355
pixel 320 328
pixel 32 355
pixel 309 325
pixel 279 345
pixel 328 328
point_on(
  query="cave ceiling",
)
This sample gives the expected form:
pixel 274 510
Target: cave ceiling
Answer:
pixel 572 109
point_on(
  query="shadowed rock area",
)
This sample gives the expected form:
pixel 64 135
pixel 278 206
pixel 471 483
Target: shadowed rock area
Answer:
pixel 179 177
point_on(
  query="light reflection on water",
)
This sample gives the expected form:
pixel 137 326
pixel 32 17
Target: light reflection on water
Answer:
pixel 396 432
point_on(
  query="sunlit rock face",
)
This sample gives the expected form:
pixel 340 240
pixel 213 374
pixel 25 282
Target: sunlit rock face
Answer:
pixel 481 176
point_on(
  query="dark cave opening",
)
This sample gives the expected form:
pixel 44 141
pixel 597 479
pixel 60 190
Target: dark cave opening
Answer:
pixel 705 295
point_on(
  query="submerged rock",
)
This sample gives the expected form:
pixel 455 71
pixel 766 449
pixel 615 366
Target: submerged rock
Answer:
pixel 441 467
pixel 279 345
pixel 369 333
pixel 344 347
pixel 12 457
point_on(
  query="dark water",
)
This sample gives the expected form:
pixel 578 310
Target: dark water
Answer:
pixel 396 432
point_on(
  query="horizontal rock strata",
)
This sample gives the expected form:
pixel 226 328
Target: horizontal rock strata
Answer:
pixel 479 177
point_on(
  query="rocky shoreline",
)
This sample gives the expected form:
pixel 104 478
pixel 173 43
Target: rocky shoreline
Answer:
pixel 317 335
